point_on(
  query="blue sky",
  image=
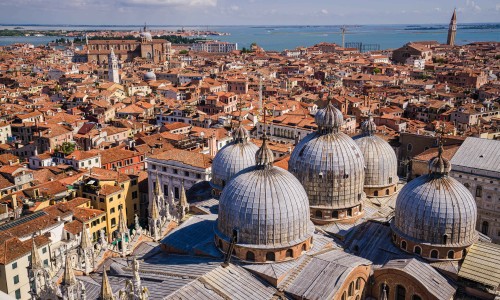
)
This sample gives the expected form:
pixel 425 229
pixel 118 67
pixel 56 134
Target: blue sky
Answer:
pixel 246 12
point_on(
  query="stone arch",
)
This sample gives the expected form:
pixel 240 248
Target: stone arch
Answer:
pixel 403 245
pixel 270 256
pixel 289 253
pixel 250 256
pixel 451 254
pixel 351 289
pixel 417 250
pixel 400 292
pixel 434 253
pixel 304 247
pixel 375 193
pixel 358 284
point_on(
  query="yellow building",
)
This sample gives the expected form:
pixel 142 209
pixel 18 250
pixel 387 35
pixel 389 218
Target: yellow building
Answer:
pixel 77 212
pixel 110 191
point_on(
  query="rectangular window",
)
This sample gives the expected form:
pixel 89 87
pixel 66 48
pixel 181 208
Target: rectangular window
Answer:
pixel 134 182
pixel 16 279
pixel 175 171
pixel 134 195
pixel 113 222
pixel 18 294
pixel 198 176
pixel 46 263
pixel 176 193
pixel 44 250
pixel 186 173
pixel 14 266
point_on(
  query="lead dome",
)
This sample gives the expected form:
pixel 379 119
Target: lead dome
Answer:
pixel 268 208
pixel 435 215
pixel 330 166
pixel 381 171
pixel 232 158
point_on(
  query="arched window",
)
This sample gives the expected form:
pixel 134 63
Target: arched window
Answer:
pixel 351 289
pixel 349 212
pixel 390 180
pixel 445 238
pixel 289 253
pixel 387 192
pixel 479 191
pixel 357 297
pixel 343 296
pixel 319 214
pixel 375 193
pixel 417 250
pixel 434 253
pixel 335 214
pixel 221 246
pixel 358 283
pixel 485 227
pixel 270 256
pixel 395 189
pixel 400 292
pixel 304 248
pixel 416 297
pixel 451 254
pixel 250 256
pixel 403 245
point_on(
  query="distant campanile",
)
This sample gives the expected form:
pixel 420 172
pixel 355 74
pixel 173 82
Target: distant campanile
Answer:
pixel 452 31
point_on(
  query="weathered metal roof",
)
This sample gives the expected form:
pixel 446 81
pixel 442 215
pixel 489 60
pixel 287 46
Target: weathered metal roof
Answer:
pixel 232 282
pixel 481 264
pixel 323 275
pixel 476 153
pixel 194 235
pixel 372 240
pixel 434 282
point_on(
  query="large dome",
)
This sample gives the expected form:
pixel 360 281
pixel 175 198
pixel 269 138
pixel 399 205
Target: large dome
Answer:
pixel 330 166
pixel 232 158
pixel 435 210
pixel 381 172
pixel 269 208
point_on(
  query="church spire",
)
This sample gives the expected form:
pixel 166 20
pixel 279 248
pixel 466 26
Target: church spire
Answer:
pixel 452 30
pixel 106 291
pixel 69 276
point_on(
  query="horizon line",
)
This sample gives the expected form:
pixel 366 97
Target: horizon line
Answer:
pixel 221 25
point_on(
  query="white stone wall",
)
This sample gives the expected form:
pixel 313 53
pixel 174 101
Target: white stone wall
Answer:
pixel 485 191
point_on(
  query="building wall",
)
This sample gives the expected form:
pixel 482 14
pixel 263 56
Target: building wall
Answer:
pixel 7 274
pixel 485 190
pixel 5 132
pixel 392 278
pixel 172 175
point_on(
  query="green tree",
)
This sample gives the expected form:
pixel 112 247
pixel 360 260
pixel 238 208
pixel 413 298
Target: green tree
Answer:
pixel 183 52
pixel 66 148
pixel 377 71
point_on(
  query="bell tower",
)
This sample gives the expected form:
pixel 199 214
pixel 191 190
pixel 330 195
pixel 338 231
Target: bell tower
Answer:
pixel 452 30
pixel 113 74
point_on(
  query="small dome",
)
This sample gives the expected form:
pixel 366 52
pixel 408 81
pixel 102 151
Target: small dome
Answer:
pixel 232 158
pixel 268 206
pixel 436 209
pixel 329 118
pixel 150 76
pixel 380 159
pixel 146 36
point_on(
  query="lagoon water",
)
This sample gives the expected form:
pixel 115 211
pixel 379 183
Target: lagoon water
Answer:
pixel 288 37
